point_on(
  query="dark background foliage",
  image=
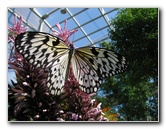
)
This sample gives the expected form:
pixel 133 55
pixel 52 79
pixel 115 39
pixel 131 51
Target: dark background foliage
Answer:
pixel 134 94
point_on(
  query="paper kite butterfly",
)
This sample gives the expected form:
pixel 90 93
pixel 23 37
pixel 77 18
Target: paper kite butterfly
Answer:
pixel 90 64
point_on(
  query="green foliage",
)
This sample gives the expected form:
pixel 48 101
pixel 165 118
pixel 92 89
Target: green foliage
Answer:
pixel 135 92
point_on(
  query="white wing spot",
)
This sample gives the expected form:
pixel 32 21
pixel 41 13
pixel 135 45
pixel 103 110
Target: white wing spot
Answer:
pixel 95 89
pixel 31 60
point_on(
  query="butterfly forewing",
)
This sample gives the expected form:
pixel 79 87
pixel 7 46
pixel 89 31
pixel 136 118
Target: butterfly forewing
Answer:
pixel 43 50
pixel 40 49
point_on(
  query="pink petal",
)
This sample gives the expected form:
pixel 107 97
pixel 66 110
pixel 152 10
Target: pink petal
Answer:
pixel 59 27
pixel 65 29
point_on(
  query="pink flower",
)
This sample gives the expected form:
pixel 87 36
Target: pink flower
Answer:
pixel 64 34
pixel 96 114
pixel 16 29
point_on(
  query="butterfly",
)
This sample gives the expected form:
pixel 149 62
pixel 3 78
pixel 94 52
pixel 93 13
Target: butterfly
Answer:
pixel 91 65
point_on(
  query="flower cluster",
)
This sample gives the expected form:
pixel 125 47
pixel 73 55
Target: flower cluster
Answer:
pixel 64 33
pixel 16 29
pixel 30 99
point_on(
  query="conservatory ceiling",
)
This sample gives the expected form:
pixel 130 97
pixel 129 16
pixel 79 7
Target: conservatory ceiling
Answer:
pixel 92 23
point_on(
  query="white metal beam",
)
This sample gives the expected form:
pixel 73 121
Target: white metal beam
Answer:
pixel 108 21
pixel 79 26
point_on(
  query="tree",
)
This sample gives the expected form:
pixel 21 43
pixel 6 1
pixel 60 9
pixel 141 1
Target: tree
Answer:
pixel 135 92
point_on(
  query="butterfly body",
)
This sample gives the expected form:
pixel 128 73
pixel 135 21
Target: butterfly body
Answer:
pixel 90 65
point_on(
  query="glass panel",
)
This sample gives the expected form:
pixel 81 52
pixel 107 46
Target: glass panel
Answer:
pixel 33 20
pixel 95 25
pixel 81 43
pixel 43 11
pixel 45 28
pixel 75 10
pixel 88 15
pixel 57 17
pixel 76 35
pixel 108 9
pixel 24 12
pixel 10 19
pixel 99 35
pixel 112 14
pixel 70 24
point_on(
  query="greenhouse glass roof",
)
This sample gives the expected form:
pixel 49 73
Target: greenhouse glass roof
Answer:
pixel 92 23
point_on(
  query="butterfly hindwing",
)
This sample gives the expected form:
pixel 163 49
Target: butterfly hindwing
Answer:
pixel 87 77
pixel 92 65
pixel 57 75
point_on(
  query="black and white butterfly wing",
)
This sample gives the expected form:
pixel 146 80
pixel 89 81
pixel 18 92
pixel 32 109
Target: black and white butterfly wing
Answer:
pixel 57 75
pixel 43 50
pixel 91 65
pixel 39 48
